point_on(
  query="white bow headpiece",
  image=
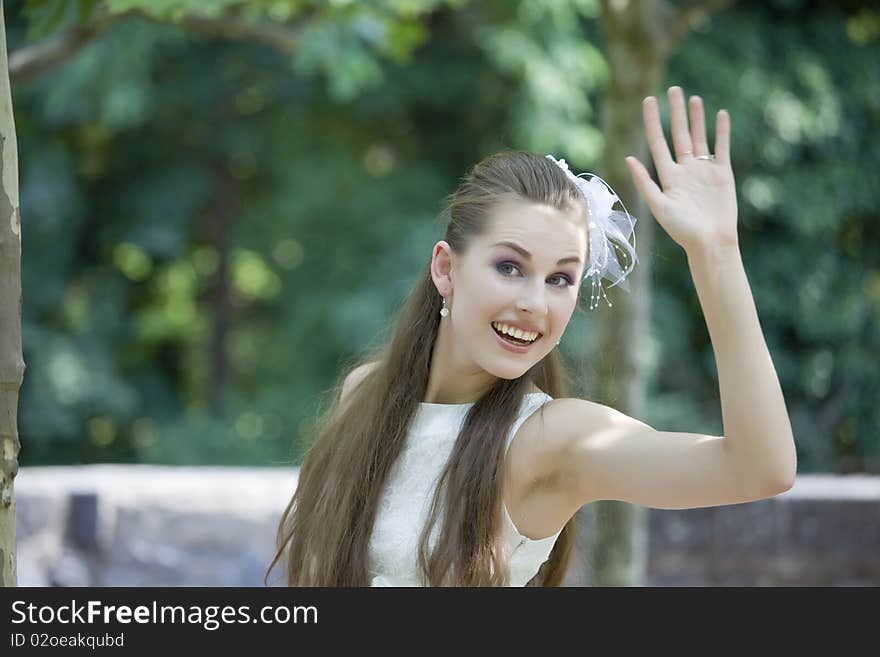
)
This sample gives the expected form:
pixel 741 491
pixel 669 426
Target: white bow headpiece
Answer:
pixel 607 230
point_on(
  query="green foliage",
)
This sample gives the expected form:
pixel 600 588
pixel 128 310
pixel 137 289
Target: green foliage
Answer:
pixel 808 211
pixel 340 55
pixel 558 73
pixel 175 187
pixel 173 10
pixel 47 16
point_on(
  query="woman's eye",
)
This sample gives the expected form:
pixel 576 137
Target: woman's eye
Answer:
pixel 565 279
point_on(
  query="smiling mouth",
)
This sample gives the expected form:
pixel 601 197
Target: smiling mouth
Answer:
pixel 514 340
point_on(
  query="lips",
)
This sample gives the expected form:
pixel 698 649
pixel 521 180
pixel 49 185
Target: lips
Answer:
pixel 518 325
pixel 513 339
pixel 496 326
pixel 510 345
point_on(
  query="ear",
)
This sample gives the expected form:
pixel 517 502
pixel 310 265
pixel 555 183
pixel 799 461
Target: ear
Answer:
pixel 442 262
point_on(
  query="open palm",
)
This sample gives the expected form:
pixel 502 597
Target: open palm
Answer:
pixel 697 203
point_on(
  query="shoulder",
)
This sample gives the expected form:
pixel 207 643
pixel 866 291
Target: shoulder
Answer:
pixel 537 445
pixel 543 445
pixel 570 417
pixel 537 483
pixel 359 373
pixel 543 488
pixel 563 417
pixel 353 378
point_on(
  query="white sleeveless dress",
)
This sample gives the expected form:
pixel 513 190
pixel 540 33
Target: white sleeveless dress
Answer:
pixel 406 500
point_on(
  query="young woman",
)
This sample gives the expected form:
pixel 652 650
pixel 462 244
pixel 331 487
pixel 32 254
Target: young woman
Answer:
pixel 432 466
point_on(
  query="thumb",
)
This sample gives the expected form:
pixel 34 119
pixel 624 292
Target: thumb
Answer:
pixel 646 186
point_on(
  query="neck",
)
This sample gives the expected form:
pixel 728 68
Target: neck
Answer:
pixel 450 381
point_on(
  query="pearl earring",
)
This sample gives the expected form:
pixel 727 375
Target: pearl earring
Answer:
pixel 444 311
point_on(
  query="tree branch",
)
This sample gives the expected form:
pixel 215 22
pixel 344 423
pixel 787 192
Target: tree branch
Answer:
pixel 284 39
pixel 34 60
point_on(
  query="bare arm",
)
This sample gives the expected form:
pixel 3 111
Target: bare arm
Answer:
pixel 697 207
pixel 757 429
pixel 605 454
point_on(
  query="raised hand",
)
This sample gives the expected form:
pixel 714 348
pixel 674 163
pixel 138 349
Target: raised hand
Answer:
pixel 697 204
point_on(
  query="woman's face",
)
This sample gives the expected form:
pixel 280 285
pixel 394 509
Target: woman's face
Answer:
pixel 525 271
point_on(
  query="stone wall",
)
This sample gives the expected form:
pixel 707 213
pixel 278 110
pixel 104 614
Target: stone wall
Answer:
pixel 142 525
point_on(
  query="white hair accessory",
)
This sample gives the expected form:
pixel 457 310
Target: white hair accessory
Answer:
pixel 607 229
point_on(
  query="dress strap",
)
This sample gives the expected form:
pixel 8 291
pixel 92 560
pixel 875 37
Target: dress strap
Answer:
pixel 530 403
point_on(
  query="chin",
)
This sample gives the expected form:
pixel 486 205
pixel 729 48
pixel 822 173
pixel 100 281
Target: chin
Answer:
pixel 509 371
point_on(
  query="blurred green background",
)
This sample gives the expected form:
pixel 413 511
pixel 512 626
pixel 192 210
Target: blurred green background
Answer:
pixel 213 224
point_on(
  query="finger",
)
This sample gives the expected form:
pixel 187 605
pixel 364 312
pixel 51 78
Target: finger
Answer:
pixel 698 126
pixel 678 123
pixel 656 139
pixel 722 137
pixel 646 186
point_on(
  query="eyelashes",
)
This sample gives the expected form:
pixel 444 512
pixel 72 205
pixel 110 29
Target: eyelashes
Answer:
pixel 507 263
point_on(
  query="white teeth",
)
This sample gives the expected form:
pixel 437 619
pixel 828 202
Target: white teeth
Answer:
pixel 515 332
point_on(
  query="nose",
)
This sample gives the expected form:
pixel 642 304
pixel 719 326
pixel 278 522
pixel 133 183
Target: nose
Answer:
pixel 533 300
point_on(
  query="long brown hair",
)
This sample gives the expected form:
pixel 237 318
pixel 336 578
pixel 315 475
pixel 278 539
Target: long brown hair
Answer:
pixel 327 524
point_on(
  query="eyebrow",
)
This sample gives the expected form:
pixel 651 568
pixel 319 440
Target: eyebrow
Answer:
pixel 528 256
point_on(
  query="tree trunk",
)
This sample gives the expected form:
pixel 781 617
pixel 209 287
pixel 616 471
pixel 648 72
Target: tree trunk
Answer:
pixel 617 543
pixel 11 357
pixel 638 40
pixel 619 549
